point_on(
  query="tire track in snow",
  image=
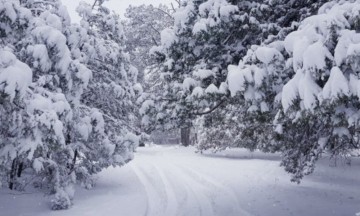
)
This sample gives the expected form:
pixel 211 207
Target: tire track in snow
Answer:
pixel 224 194
pixel 174 189
pixel 161 198
pixel 193 189
pixel 185 186
pixel 187 198
pixel 153 196
pixel 172 204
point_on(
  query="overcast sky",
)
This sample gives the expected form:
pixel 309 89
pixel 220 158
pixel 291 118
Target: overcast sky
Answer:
pixel 119 6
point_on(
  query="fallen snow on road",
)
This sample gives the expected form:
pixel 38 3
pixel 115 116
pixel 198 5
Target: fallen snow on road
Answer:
pixel 172 180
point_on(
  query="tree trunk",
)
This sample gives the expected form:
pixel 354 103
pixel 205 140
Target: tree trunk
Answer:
pixel 185 136
pixel 12 174
pixel 72 167
pixel 20 169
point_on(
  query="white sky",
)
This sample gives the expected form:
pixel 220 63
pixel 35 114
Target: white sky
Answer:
pixel 119 6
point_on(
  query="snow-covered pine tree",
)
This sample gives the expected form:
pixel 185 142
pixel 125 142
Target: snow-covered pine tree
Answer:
pixel 192 70
pixel 321 101
pixel 142 28
pixel 312 75
pixel 113 76
pixel 49 136
pixel 254 86
pixel 250 114
pixel 34 136
pixel 194 54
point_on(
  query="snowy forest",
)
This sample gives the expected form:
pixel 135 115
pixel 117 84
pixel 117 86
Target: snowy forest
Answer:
pixel 187 100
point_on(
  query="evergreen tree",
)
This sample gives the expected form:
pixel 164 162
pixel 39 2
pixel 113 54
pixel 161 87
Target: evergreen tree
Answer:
pixel 113 76
pixel 142 28
pixel 316 88
pixel 320 103
pixel 194 56
pixel 50 127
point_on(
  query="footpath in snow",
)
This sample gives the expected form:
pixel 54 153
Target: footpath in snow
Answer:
pixel 172 180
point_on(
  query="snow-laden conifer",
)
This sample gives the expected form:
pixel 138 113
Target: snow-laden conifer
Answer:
pixel 51 135
pixel 314 93
pixel 194 56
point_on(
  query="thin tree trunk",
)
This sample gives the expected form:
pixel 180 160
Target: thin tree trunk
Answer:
pixel 185 136
pixel 12 174
pixel 20 169
pixel 73 162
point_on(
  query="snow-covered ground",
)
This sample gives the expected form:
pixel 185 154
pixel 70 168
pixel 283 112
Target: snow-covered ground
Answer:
pixel 172 180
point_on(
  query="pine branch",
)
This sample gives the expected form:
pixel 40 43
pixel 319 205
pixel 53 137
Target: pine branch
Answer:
pixel 166 13
pixel 93 6
pixel 210 110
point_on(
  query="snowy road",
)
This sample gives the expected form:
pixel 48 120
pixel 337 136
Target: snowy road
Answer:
pixel 174 188
pixel 174 181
